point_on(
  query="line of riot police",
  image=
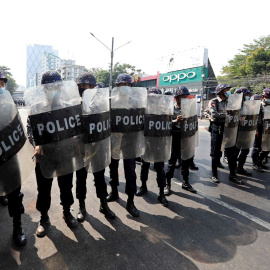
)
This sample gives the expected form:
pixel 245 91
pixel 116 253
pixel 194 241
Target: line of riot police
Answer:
pixel 238 122
pixel 74 128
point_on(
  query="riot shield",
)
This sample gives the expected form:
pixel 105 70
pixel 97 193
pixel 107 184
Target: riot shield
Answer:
pixel 232 121
pixel 248 123
pixel 15 151
pixel 266 129
pixel 55 118
pixel 157 128
pixel 97 128
pixel 128 106
pixel 189 128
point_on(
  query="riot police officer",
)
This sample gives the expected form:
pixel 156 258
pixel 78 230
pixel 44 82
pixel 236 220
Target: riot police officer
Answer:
pixel 14 198
pixel 44 185
pixel 217 108
pixel 86 81
pixel 159 167
pixel 257 154
pixel 129 166
pixel 181 93
pixel 241 154
pixel 100 85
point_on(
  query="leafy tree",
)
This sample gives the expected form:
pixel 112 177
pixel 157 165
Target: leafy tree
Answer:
pixel 104 75
pixel 249 68
pixel 11 85
pixel 253 59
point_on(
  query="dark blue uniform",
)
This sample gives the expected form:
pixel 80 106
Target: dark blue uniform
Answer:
pixel 130 175
pixel 217 108
pixel 257 154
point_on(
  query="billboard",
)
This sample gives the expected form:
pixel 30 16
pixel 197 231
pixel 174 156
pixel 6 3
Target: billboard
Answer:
pixel 194 57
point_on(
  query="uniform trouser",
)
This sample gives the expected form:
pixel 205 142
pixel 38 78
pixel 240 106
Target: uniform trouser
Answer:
pixel 175 154
pixel 185 168
pixel 216 141
pixel 44 186
pixel 100 184
pixel 15 206
pixel 130 175
pixel 159 167
pixel 257 154
pixel 232 160
pixel 241 157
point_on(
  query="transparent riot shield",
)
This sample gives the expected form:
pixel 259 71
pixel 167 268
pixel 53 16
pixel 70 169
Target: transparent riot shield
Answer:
pixel 157 128
pixel 55 117
pixel 16 152
pixel 248 123
pixel 266 129
pixel 189 128
pixel 232 121
pixel 128 106
pixel 97 128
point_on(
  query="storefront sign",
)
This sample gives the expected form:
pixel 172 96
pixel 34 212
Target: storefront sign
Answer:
pixel 182 76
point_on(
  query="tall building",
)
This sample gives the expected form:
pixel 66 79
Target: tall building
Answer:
pixel 34 60
pixel 69 71
pixel 50 62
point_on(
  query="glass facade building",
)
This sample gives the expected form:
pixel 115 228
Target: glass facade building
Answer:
pixel 34 54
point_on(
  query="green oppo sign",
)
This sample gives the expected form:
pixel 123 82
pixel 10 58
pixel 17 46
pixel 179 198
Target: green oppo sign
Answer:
pixel 182 76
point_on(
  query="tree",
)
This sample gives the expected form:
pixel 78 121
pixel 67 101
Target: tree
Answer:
pixel 249 68
pixel 253 59
pixel 104 75
pixel 11 85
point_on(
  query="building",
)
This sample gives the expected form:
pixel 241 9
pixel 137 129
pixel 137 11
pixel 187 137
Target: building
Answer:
pixel 50 62
pixel 70 72
pixel 34 60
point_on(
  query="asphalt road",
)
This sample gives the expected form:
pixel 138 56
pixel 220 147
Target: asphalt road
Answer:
pixel 224 226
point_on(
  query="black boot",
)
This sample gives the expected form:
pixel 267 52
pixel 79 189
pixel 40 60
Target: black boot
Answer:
pixel 243 171
pixel 113 196
pixel 192 166
pixel 43 225
pixel 82 211
pixel 167 189
pixel 69 219
pixel 142 190
pixel 131 208
pixel 104 209
pixel 4 200
pixel 187 186
pixel 236 180
pixel 18 233
pixel 162 199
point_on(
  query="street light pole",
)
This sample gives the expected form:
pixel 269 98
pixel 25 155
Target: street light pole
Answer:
pixel 110 86
pixel 112 54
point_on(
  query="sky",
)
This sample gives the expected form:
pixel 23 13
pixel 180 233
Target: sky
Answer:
pixel 155 29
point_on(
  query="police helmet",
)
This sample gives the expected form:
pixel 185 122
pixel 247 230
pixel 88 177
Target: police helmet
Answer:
pixel 50 77
pixel 2 76
pixel 154 90
pixel 100 85
pixel 222 86
pixel 123 78
pixel 87 78
pixel 168 92
pixel 256 97
pixel 181 91
pixel 266 93
pixel 243 90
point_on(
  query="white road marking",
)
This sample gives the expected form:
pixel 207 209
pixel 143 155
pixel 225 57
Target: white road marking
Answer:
pixel 234 209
